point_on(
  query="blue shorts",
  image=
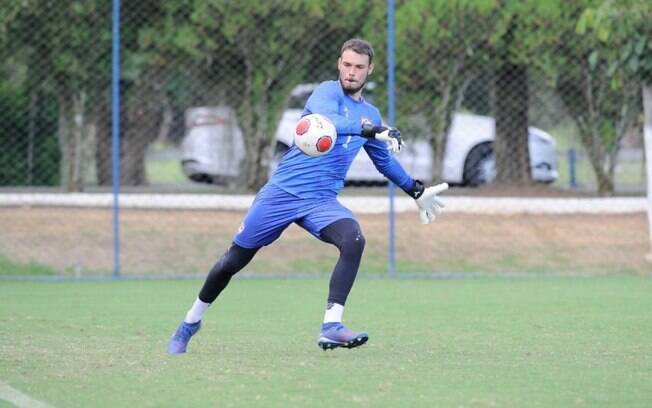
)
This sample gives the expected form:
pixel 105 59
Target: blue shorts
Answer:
pixel 274 210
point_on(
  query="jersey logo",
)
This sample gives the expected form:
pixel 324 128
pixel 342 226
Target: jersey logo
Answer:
pixel 346 144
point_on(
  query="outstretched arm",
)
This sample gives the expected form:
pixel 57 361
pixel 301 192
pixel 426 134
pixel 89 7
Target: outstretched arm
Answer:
pixel 430 206
pixel 427 200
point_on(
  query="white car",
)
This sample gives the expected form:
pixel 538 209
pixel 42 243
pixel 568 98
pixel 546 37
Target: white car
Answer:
pixel 213 148
pixel 468 159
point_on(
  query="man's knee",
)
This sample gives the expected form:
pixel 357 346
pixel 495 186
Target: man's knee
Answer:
pixel 346 235
pixel 234 259
pixel 354 243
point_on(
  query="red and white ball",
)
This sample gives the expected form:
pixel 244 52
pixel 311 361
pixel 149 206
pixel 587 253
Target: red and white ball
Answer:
pixel 315 135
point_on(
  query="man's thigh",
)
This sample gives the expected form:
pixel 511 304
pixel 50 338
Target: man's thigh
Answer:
pixel 270 214
pixel 322 215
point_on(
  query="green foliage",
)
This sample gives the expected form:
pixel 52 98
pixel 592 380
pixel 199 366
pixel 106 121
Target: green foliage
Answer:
pixel 624 31
pixel 439 44
pixel 256 53
pixel 591 54
pixel 249 54
pixel 30 153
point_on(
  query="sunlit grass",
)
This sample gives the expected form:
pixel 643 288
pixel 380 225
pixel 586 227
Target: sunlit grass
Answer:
pixel 534 342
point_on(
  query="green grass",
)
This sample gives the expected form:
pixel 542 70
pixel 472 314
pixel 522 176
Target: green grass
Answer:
pixel 164 171
pixel 9 267
pixel 531 342
pixel 163 165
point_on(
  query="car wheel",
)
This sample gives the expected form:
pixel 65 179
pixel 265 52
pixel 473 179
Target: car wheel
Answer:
pixel 480 165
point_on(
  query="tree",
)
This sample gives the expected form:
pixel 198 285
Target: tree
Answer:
pixel 522 43
pixel 261 50
pixel 600 75
pixel 65 56
pixel 27 117
pixel 440 48
pixel 142 88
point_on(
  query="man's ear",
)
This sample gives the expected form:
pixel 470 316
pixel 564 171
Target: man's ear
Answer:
pixel 371 69
pixel 339 61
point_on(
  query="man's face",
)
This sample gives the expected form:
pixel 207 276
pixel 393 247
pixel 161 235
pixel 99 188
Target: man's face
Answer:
pixel 354 69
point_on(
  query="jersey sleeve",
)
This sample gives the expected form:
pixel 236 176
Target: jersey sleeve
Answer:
pixel 387 164
pixel 325 100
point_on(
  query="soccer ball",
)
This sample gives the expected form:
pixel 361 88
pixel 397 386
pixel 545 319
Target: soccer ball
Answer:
pixel 315 135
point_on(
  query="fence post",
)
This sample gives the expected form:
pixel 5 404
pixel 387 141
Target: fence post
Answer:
pixel 391 117
pixel 115 136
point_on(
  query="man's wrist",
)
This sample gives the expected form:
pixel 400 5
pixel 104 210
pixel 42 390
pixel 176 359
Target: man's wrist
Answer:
pixel 417 189
pixel 369 130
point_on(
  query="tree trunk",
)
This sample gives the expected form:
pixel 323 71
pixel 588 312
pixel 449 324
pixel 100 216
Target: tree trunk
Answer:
pixel 63 134
pixel 142 117
pixel 442 117
pixel 103 152
pixel 31 135
pixel 255 135
pixel 254 112
pixel 511 143
pixel 581 100
pixel 592 142
pixel 72 134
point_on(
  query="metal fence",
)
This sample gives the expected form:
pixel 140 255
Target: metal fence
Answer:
pixel 511 98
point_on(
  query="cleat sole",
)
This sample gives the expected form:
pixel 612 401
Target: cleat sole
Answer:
pixel 326 344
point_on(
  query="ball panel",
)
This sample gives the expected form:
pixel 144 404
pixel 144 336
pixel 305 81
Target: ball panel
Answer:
pixel 324 143
pixel 302 127
pixel 315 135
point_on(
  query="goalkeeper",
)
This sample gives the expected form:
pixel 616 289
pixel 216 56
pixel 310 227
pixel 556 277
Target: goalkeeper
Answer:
pixel 304 190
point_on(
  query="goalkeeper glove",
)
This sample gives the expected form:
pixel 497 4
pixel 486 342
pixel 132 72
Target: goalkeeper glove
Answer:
pixel 390 135
pixel 430 206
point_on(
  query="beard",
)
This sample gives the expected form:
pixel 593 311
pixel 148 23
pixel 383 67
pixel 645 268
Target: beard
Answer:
pixel 349 90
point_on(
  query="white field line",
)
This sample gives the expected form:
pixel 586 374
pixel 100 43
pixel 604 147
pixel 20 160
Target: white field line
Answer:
pixel 12 395
pixel 358 204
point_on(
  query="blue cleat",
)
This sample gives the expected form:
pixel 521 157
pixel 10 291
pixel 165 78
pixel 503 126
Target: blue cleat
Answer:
pixel 179 340
pixel 335 335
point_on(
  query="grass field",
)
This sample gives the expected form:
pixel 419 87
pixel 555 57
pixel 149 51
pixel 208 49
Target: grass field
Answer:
pixel 491 342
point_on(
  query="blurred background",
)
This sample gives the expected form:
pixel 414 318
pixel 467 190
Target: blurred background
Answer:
pixel 518 98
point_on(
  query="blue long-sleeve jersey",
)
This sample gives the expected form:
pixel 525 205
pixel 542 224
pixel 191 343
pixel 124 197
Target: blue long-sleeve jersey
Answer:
pixel 323 176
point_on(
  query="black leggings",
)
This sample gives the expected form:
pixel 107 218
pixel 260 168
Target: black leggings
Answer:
pixel 345 234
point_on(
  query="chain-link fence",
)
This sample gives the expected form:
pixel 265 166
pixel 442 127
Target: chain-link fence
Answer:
pixel 518 98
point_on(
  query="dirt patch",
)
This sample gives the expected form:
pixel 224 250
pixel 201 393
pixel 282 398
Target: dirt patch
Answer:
pixel 79 241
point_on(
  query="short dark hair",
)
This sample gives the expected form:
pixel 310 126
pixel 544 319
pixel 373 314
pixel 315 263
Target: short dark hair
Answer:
pixel 359 46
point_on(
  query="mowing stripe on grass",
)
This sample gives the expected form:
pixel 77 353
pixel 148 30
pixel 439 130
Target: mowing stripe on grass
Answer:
pixel 12 395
